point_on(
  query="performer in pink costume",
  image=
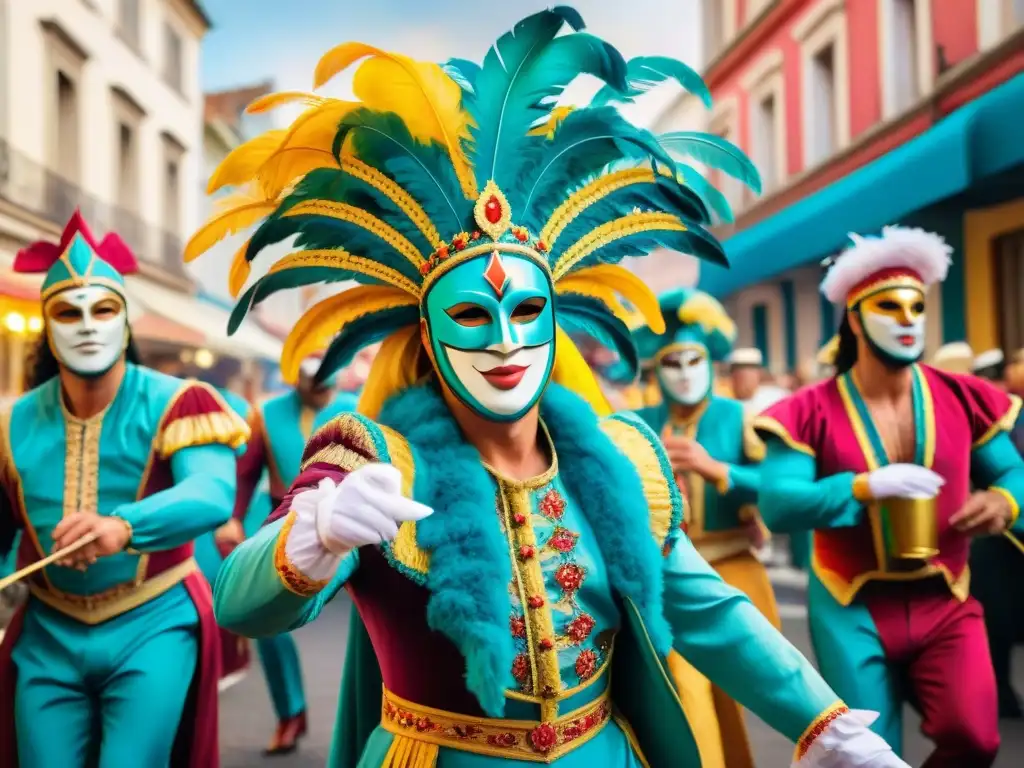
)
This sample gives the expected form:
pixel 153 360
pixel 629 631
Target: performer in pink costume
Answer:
pixel 840 457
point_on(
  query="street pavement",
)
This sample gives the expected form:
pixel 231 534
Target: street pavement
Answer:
pixel 247 721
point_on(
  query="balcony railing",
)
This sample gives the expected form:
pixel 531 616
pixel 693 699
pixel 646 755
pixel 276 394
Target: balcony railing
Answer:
pixel 48 195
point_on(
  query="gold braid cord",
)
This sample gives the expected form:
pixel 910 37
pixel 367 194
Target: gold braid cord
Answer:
pixel 587 195
pixel 609 232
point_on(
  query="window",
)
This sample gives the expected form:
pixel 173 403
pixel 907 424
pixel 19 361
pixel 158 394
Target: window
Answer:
pixel 174 154
pixel 128 22
pixel 765 84
pixel 826 94
pixel 127 168
pixel 66 152
pixel 173 58
pixel 906 44
pixel 714 28
pixel 823 105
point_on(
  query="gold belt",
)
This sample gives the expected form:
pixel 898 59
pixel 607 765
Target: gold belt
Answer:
pixel 99 607
pixel 419 732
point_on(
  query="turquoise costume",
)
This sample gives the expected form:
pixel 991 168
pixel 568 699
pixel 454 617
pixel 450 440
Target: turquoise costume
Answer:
pixel 699 333
pixel 132 631
pixel 280 428
pixel 485 227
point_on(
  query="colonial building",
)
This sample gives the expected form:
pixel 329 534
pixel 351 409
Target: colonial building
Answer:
pixel 99 109
pixel 862 113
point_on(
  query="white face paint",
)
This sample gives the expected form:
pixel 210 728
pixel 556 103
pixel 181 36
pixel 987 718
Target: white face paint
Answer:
pixel 894 321
pixel 504 378
pixel 686 375
pixel 87 328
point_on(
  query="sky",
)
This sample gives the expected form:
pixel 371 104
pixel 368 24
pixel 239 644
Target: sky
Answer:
pixel 270 39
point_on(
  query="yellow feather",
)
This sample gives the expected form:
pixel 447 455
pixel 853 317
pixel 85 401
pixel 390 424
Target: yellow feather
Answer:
pixel 225 223
pixel 306 146
pixel 393 369
pixel 706 311
pixel 243 161
pixel 239 271
pixel 627 285
pixel 589 194
pixel 547 128
pixel 571 371
pixel 315 329
pixel 609 232
pixel 428 100
pixel 341 259
pixel 604 294
pixel 274 100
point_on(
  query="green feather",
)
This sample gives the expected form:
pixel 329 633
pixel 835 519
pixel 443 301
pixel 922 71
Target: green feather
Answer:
pixel 297 277
pixel 714 152
pixel 362 332
pixel 713 198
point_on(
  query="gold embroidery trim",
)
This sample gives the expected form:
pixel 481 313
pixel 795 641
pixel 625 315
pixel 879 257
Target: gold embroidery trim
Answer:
pixel 540 625
pixel 774 427
pixel 221 428
pixel 817 727
pixel 525 740
pixel 294 580
pixel 1003 424
pixel 638 449
pixel 103 606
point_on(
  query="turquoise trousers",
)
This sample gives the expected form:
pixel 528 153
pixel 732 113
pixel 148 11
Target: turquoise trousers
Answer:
pixel 110 695
pixel 279 657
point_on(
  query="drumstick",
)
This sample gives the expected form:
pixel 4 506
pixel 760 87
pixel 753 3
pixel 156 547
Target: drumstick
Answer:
pixel 1014 539
pixel 28 570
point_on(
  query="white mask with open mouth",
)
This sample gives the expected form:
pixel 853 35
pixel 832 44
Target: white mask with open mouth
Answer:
pixel 88 329
pixel 685 374
pixel 503 378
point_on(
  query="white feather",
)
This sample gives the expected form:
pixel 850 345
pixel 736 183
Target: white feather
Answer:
pixel 924 253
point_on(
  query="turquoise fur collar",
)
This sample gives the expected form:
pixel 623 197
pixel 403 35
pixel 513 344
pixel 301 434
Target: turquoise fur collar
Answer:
pixel 470 569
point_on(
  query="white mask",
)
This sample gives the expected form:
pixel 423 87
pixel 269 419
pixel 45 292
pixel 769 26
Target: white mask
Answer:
pixel 502 378
pixel 894 321
pixel 686 375
pixel 88 328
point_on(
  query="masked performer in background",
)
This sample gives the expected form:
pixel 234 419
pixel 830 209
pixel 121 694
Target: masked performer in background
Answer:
pixel 885 444
pixel 712 451
pixel 280 428
pixel 114 658
pixel 504 545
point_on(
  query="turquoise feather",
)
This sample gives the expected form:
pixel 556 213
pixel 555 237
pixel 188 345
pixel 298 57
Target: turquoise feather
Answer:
pixel 581 314
pixel 272 283
pixel 646 72
pixel 587 142
pixel 714 152
pixel 361 332
pixel 711 196
pixel 463 72
pixel 695 242
pixel 425 171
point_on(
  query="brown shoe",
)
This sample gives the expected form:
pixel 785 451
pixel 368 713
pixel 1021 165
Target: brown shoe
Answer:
pixel 286 739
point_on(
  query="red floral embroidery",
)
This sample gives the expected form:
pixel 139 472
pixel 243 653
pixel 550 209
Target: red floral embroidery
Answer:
pixel 535 601
pixel 552 505
pixel 502 740
pixel 579 629
pixel 519 519
pixel 526 552
pixel 570 577
pixel 467 731
pixel 562 540
pixel 521 667
pixel 518 626
pixel 543 737
pixel 546 644
pixel 586 664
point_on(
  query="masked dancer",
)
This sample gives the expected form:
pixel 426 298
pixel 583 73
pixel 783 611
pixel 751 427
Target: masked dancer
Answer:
pixel 504 544
pixel 113 661
pixel 879 462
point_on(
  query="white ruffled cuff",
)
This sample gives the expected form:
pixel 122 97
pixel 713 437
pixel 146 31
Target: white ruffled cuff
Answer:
pixel 847 742
pixel 305 547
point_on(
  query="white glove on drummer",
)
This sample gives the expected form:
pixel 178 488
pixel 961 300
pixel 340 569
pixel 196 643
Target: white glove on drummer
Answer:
pixel 334 518
pixel 905 481
pixel 849 743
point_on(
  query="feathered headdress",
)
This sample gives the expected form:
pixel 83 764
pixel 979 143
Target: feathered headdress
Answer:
pixel 689 316
pixel 78 259
pixel 435 164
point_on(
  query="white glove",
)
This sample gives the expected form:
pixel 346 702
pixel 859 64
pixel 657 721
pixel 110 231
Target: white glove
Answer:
pixel 848 743
pixel 334 518
pixel 905 481
pixel 366 508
